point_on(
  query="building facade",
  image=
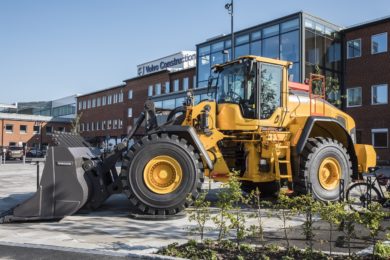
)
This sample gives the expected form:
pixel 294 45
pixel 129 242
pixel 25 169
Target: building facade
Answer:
pixel 30 130
pixel 311 43
pixel 101 115
pixel 106 116
pixel 367 79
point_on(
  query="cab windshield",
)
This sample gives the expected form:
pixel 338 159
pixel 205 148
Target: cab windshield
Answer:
pixel 236 85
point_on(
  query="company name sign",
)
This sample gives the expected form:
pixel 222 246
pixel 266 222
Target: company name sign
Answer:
pixel 181 60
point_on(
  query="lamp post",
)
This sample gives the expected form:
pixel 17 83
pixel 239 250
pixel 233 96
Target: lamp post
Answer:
pixel 229 7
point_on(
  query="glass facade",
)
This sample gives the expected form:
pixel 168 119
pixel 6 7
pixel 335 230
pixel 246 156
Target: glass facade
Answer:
pixel 312 44
pixel 280 40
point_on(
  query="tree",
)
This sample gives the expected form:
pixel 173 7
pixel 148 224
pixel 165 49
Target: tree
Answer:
pixel 331 212
pixel 201 213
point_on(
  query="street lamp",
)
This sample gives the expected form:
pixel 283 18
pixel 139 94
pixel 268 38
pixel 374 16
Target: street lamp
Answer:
pixel 229 7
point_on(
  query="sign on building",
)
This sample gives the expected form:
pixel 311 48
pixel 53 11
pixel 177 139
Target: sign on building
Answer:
pixel 181 60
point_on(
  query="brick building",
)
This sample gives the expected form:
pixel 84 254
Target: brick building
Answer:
pixel 107 115
pixel 366 82
pixel 30 130
pixel 102 114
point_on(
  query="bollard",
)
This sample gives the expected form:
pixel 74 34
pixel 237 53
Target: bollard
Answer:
pixel 341 190
pixel 24 159
pixel 37 175
pixel 1 159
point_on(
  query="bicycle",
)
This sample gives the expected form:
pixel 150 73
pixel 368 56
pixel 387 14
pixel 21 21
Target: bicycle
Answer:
pixel 360 194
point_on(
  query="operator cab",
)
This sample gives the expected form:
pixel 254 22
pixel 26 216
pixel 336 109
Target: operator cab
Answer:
pixel 254 86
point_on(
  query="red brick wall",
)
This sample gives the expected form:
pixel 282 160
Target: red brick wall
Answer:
pixel 29 138
pixel 365 71
pixel 113 111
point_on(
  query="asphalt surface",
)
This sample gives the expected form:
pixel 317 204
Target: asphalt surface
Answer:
pixel 28 253
pixel 110 232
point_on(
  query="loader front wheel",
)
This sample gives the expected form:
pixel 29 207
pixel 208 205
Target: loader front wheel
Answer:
pixel 324 163
pixel 159 173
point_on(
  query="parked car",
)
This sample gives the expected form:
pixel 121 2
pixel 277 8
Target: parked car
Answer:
pixel 35 153
pixel 14 152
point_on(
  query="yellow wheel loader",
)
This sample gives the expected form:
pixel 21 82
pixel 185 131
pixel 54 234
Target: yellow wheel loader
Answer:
pixel 269 131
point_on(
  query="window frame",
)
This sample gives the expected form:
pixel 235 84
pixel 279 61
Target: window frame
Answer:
pixel 129 112
pixel 9 131
pixel 360 49
pixel 380 130
pixel 361 97
pixel 372 49
pixel 372 95
pixel 23 131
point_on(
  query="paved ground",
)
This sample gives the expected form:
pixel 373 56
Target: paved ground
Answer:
pixel 109 230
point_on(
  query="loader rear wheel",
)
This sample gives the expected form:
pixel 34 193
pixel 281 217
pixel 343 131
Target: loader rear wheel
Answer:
pixel 324 162
pixel 159 173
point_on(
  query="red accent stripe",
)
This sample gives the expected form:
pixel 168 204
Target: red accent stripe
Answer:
pixel 298 86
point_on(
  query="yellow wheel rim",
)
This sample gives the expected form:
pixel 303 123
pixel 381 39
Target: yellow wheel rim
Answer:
pixel 163 174
pixel 329 173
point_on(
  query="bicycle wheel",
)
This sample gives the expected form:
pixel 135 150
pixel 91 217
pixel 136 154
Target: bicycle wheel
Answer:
pixel 358 196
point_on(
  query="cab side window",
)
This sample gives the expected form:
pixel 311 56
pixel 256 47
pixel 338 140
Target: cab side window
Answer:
pixel 270 92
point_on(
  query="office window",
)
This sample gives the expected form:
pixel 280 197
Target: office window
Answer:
pixel 120 97
pixel 104 100
pixel 49 129
pixel 9 128
pixel 130 94
pixel 150 91
pixel 379 94
pixel 379 137
pixel 97 125
pixel 92 126
pixel 115 98
pixel 194 82
pixel 167 87
pixel 89 103
pixel 115 124
pixel 185 83
pixel 36 129
pixel 168 104
pixel 80 105
pixel 94 102
pixel 289 46
pixel 84 104
pixel 120 124
pixel 290 25
pixel 179 102
pixel 109 100
pixel 203 67
pixel 354 97
pixel 130 112
pixel 271 47
pixel 241 50
pixel 157 89
pixel 108 124
pixel 98 102
pixel 82 127
pixel 176 85
pixel 271 31
pixel 23 129
pixel 103 125
pixel 379 43
pixel 87 126
pixel 354 48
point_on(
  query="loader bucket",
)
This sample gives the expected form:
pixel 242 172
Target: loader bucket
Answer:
pixel 74 177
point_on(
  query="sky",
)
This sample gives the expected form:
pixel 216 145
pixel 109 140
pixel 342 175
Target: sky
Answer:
pixel 50 49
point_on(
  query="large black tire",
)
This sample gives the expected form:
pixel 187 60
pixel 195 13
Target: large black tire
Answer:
pixel 315 152
pixel 138 192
